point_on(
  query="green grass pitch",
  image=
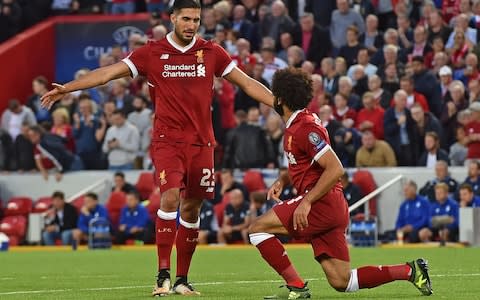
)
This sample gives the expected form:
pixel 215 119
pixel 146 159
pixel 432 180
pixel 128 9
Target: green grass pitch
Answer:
pixel 220 273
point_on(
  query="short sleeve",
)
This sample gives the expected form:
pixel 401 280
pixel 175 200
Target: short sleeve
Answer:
pixel 137 61
pixel 223 62
pixel 314 141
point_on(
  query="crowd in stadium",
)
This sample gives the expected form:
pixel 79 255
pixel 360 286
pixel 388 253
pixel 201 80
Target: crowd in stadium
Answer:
pixel 396 83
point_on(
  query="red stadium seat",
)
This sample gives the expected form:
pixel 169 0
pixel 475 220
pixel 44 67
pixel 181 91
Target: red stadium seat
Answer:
pixel 366 183
pixel 14 227
pixel 78 203
pixel 18 206
pixel 42 204
pixel 253 181
pixel 145 184
pixel 115 203
pixel 219 209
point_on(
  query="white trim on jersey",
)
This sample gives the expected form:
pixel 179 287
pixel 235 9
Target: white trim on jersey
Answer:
pixel 177 46
pixel 293 116
pixel 321 153
pixel 131 66
pixel 229 68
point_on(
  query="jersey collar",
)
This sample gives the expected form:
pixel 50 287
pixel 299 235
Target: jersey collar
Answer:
pixel 293 116
pixel 177 46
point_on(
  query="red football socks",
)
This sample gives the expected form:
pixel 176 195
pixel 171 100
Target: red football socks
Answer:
pixel 369 277
pixel 165 231
pixel 187 239
pixel 276 256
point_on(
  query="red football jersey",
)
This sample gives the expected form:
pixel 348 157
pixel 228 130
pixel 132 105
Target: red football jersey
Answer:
pixel 182 81
pixel 305 141
pixel 473 147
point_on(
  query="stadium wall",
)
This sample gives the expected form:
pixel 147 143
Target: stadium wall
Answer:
pixel 58 47
pixel 33 185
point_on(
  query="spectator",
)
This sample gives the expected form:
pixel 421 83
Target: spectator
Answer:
pixel 288 191
pixel 155 6
pixel 352 194
pixel 286 40
pixel 15 116
pixel 141 119
pixel 319 96
pixel 442 207
pixel 40 87
pixel 391 56
pixel 425 122
pixel 134 221
pixel 328 121
pixel 227 184
pixel 342 18
pixel 470 72
pixel 277 22
pixel 404 31
pixel 122 142
pixel 343 113
pixel 427 84
pixel 370 117
pixel 242 100
pixel 445 74
pixel 314 40
pixel 474 91
pixel 349 51
pixel 236 220
pixel 413 214
pixel 382 97
pixel 274 129
pixel 88 131
pixel 437 27
pixel 398 124
pixel 374 153
pixel 407 84
pixel 441 176
pixel 363 60
pixel 271 63
pixel 472 130
pixel 60 221
pixel 247 146
pixel 372 38
pixel 459 50
pixel 347 141
pixel 62 128
pixel 259 204
pixel 420 46
pixel 109 108
pixel 120 95
pixel 89 211
pixel 23 150
pixel 295 56
pixel 391 83
pixel 240 24
pixel 449 117
pixel 322 10
pixel 461 26
pixel 50 153
pixel 92 93
pixel 345 88
pixel 159 32
pixel 121 185
pixel 10 19
pixel 209 25
pixel 458 151
pixel 245 60
pixel 433 152
pixel 440 60
pixel 123 7
pixel 330 77
pixel 341 66
pixel 467 197
pixel 473 178
pixel 360 81
pixel 209 228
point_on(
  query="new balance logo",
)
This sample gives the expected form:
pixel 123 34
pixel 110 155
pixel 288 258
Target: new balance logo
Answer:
pixel 201 71
pixel 164 56
pixel 210 190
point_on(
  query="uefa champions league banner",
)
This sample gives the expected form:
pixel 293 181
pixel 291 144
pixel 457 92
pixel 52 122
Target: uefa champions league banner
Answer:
pixel 80 44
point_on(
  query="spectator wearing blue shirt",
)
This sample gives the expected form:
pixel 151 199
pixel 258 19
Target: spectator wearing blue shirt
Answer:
pixel 90 210
pixel 413 214
pixel 473 178
pixel 443 217
pixel 133 220
pixel 467 196
pixel 208 230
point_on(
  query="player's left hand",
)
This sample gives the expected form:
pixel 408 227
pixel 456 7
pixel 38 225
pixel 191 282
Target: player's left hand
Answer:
pixel 300 216
pixel 53 96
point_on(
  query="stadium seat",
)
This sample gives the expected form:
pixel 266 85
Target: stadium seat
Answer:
pixel 153 204
pixel 15 227
pixel 145 184
pixel 219 209
pixel 78 203
pixel 42 204
pixel 18 206
pixel 366 183
pixel 253 181
pixel 115 203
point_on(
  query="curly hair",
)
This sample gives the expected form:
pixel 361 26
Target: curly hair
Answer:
pixel 294 87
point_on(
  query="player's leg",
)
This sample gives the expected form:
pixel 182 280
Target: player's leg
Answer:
pixel 261 233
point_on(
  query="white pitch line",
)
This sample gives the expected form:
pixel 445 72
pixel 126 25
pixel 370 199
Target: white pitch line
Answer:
pixel 240 282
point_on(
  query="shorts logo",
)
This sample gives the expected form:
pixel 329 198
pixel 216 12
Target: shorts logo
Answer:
pixel 314 138
pixel 199 56
pixel 162 178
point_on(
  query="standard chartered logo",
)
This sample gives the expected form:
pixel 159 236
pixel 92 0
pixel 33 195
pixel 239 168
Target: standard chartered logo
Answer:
pixel 178 71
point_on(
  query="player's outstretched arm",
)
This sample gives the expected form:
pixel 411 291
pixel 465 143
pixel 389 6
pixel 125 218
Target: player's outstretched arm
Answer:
pixel 95 78
pixel 253 88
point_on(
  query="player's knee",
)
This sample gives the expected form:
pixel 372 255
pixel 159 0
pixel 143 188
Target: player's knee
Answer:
pixel 255 227
pixel 169 201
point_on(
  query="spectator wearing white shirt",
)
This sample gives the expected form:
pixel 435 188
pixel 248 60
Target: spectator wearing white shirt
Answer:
pixel 15 116
pixel 140 118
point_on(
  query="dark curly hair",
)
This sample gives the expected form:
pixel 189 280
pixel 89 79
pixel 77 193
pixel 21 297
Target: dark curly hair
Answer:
pixel 294 87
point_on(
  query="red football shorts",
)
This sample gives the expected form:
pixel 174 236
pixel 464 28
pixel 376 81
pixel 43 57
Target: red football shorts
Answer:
pixel 327 224
pixel 184 166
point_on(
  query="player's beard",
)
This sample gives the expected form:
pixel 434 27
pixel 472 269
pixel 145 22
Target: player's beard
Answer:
pixel 181 37
pixel 278 107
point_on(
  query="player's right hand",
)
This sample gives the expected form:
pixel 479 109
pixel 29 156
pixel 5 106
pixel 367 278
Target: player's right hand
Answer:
pixel 275 191
pixel 53 96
